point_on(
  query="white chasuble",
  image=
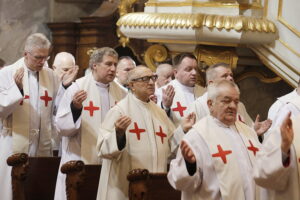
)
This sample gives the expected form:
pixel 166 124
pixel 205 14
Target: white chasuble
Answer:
pixel 21 118
pixel 225 160
pixel 149 143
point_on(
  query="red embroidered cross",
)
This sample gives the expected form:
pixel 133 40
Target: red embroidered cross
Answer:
pixel 161 134
pixel 179 109
pixel 252 148
pixel 91 108
pixel 46 98
pixel 137 131
pixel 222 154
pixel 25 97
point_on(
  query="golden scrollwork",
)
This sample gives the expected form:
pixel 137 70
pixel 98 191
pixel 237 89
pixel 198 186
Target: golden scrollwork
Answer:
pixel 259 76
pixel 155 54
pixel 215 54
pixel 176 20
pixel 91 50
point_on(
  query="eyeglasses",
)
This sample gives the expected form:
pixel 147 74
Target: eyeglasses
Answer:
pixel 40 58
pixel 146 78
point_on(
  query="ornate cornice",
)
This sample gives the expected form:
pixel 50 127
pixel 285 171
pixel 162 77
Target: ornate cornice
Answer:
pixel 174 20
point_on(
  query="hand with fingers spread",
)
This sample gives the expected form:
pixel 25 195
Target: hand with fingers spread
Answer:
pixel 287 133
pixel 188 122
pixel 78 98
pixel 168 96
pixel 187 152
pixel 121 125
pixel 18 77
pixel 70 76
pixel 261 127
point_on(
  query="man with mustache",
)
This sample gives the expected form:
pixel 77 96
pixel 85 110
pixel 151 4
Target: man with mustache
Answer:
pixel 136 133
pixel 216 156
pixel 183 90
pixel 83 108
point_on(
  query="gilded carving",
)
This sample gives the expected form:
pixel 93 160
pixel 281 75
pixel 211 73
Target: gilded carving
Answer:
pixel 176 20
pixel 215 54
pixel 155 54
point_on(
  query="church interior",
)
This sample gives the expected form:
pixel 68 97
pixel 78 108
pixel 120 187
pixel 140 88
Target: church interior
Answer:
pixel 259 39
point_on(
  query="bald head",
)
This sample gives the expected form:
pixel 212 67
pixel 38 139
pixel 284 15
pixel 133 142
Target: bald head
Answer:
pixel 63 62
pixel 165 74
pixel 125 64
pixel 138 72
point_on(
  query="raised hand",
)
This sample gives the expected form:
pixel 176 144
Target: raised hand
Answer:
pixel 18 77
pixel 187 152
pixel 261 127
pixel 168 96
pixel 78 98
pixel 121 125
pixel 153 98
pixel 69 76
pixel 188 122
pixel 287 133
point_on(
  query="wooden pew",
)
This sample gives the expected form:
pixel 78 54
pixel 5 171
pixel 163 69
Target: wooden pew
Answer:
pixel 82 180
pixel 33 178
pixel 150 186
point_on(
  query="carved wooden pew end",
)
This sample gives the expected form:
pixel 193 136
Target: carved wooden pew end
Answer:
pixel 138 184
pixel 75 171
pixel 19 164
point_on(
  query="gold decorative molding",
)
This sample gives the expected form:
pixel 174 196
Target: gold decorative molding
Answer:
pixel 266 7
pixel 259 76
pixel 155 54
pixel 166 41
pixel 174 20
pixel 215 54
pixel 283 21
pixel 289 47
pixel 232 4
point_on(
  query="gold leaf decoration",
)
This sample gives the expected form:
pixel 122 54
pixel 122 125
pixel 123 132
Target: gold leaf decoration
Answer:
pixel 174 20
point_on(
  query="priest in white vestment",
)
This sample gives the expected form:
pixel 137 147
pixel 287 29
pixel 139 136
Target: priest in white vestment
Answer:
pixel 136 133
pixel 125 64
pixel 276 107
pixel 183 90
pixel 28 95
pixel 217 72
pixel 278 166
pixel 165 74
pixel 216 156
pixel 83 108
pixel 63 65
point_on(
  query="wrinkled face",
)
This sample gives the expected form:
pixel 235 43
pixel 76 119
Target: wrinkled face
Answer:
pixel 36 58
pixel 143 89
pixel 66 66
pixel 186 72
pixel 122 70
pixel 225 106
pixel 105 71
pixel 223 73
pixel 165 77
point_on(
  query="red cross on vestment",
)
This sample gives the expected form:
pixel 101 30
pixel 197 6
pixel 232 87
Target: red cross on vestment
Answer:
pixel 222 154
pixel 179 109
pixel 91 108
pixel 46 98
pixel 25 97
pixel 161 134
pixel 137 131
pixel 252 148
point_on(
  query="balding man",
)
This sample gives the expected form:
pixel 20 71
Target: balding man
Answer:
pixel 165 73
pixel 136 133
pixel 124 65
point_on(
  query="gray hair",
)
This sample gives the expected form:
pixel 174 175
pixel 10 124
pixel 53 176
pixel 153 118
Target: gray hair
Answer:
pixel 98 54
pixel 211 73
pixel 37 41
pixel 60 57
pixel 125 58
pixel 161 67
pixel 214 89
